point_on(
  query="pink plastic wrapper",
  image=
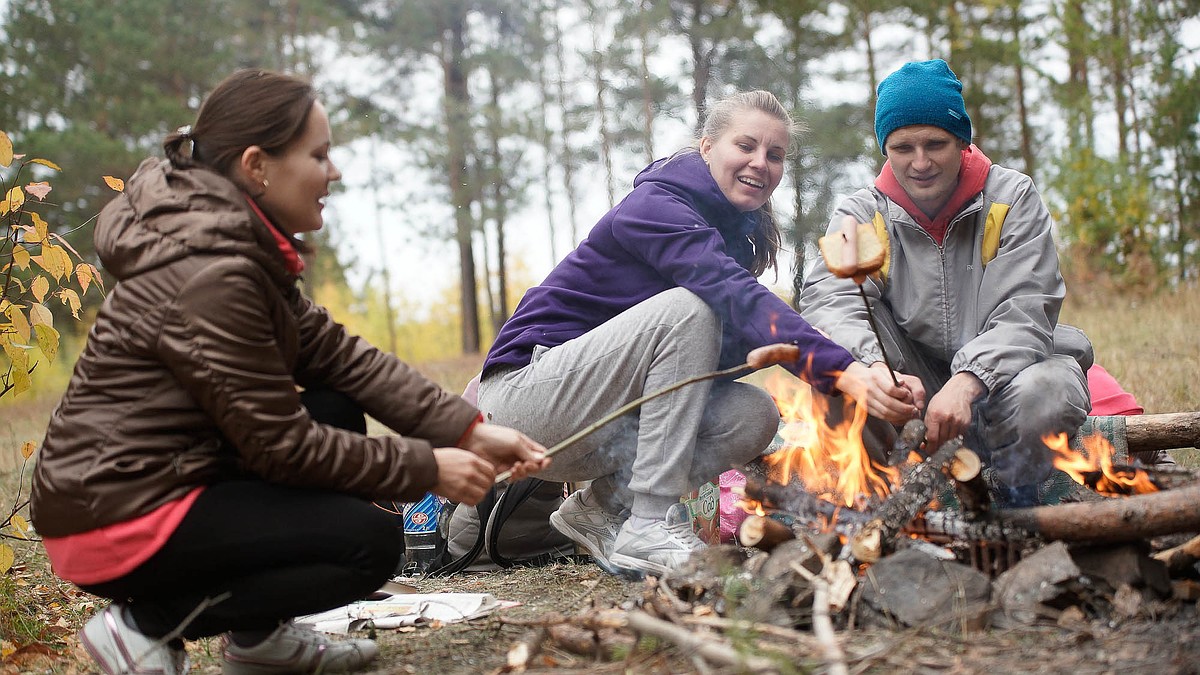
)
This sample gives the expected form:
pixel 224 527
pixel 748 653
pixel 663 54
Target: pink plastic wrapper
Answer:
pixel 732 515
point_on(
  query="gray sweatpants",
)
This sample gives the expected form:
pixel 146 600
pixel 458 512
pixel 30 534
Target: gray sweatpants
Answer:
pixel 648 459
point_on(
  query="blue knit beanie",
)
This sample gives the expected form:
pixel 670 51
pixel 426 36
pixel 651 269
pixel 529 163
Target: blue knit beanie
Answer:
pixel 921 92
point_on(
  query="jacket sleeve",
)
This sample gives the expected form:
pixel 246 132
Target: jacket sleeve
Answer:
pixel 218 340
pixel 1020 295
pixel 834 305
pixel 387 389
pixel 668 234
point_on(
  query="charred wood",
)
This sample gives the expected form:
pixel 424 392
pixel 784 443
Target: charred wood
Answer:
pixel 795 501
pixel 920 485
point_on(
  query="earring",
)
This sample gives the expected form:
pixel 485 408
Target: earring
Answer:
pixel 266 184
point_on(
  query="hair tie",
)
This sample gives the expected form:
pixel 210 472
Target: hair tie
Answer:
pixel 185 132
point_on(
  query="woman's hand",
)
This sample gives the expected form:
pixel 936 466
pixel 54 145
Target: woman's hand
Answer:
pixel 507 449
pixel 874 387
pixel 463 476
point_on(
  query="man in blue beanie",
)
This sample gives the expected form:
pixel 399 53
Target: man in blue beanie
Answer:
pixel 969 294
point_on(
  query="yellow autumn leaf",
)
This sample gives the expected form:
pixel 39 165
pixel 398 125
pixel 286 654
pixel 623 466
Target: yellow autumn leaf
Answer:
pixel 16 197
pixel 28 448
pixel 19 359
pixel 39 315
pixel 40 287
pixel 6 155
pixel 115 183
pixel 20 257
pixel 20 325
pixel 84 274
pixel 71 299
pixel 41 229
pixel 55 261
pixel 7 556
pixel 20 527
pixel 45 162
pixel 47 340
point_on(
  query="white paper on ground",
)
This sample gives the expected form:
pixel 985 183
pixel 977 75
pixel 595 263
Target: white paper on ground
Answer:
pixel 408 609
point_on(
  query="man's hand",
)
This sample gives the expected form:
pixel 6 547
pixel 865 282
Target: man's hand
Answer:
pixel 883 398
pixel 507 449
pixel 949 411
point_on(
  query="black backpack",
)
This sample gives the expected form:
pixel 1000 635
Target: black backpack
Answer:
pixel 509 528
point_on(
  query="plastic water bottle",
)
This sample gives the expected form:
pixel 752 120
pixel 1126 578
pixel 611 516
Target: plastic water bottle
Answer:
pixel 423 542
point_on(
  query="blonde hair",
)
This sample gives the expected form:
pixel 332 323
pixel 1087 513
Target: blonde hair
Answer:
pixel 766 237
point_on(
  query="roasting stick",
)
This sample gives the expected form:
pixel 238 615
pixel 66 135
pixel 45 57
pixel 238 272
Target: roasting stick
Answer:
pixel 848 266
pixel 759 358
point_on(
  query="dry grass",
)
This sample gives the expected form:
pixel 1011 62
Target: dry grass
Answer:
pixel 1150 344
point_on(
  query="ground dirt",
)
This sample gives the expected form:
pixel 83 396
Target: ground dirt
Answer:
pixel 1163 644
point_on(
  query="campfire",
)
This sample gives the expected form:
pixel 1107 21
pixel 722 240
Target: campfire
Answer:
pixel 840 537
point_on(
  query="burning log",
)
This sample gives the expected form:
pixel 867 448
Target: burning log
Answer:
pixel 920 486
pixel 967 471
pixel 795 501
pixel 1112 520
pixel 763 533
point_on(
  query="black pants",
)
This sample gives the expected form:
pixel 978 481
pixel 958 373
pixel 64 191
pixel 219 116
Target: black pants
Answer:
pixel 262 553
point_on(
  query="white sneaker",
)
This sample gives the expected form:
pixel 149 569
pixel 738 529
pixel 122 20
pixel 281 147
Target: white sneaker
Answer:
pixel 119 649
pixel 294 649
pixel 659 547
pixel 592 528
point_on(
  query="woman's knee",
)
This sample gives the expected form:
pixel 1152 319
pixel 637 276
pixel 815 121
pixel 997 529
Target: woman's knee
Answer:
pixel 681 306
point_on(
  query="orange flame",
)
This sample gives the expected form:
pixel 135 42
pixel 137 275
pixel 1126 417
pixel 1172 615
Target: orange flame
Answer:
pixel 1094 467
pixel 831 461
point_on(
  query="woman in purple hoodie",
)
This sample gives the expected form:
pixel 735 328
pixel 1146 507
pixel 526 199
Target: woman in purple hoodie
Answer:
pixel 664 288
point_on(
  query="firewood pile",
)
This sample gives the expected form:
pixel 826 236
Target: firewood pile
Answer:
pixel 934 552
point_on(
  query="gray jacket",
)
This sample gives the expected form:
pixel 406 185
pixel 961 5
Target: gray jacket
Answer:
pixel 986 301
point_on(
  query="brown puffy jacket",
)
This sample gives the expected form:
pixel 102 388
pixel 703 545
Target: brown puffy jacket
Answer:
pixel 190 372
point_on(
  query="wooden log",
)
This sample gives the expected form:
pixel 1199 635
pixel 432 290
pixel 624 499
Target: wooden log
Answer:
pixel 967 471
pixel 920 485
pixel 1114 520
pixel 1164 431
pixel 763 533
pixel 1182 558
pixel 796 501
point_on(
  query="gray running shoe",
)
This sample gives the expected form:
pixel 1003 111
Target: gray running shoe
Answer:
pixel 119 649
pixel 591 528
pixel 659 547
pixel 294 649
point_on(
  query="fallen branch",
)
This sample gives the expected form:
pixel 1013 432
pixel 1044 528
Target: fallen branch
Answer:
pixel 707 646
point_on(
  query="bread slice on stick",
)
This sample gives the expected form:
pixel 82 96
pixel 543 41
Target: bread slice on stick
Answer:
pixel 855 251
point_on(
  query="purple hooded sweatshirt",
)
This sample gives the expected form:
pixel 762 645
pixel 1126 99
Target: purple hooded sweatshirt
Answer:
pixel 676 228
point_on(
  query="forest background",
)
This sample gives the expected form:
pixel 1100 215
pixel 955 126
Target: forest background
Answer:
pixel 482 138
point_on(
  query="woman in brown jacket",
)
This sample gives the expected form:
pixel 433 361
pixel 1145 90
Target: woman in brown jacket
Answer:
pixel 187 474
